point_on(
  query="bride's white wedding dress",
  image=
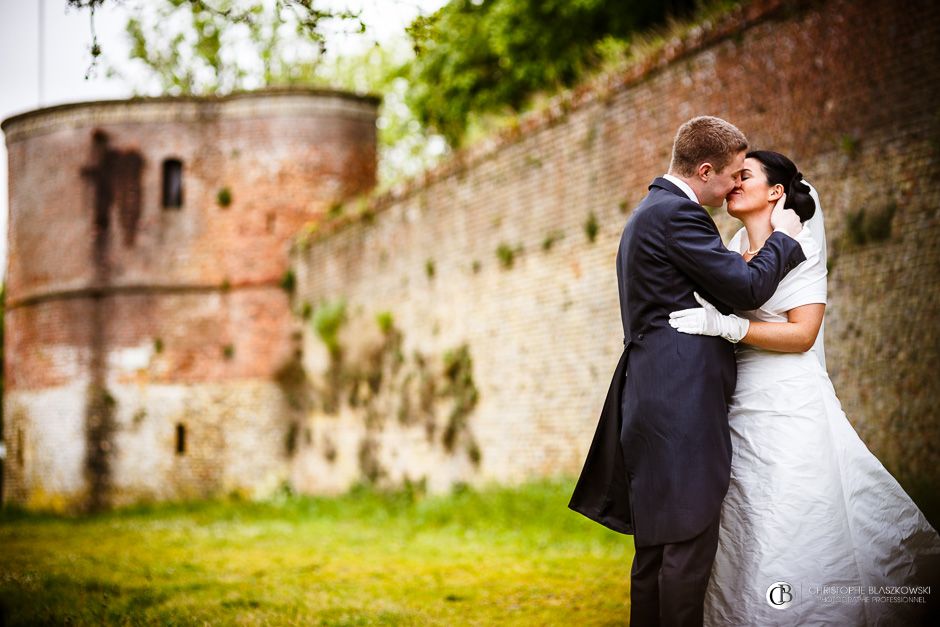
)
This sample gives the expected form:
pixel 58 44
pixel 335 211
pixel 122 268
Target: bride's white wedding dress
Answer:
pixel 809 505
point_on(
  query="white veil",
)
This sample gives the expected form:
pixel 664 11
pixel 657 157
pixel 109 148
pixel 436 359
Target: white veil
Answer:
pixel 817 228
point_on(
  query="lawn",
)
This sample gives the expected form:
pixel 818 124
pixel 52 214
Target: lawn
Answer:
pixel 494 556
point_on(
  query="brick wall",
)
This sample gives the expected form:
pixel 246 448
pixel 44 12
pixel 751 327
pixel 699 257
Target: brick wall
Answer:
pixel 847 89
pixel 481 318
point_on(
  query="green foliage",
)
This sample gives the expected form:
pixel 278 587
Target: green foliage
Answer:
pixel 458 374
pixel 526 513
pixel 289 281
pixel 181 59
pixel 335 210
pixel 855 227
pixel 91 6
pixel 474 452
pixel 533 161
pixel 849 145
pixel 874 225
pixel 327 321
pixel 291 378
pixel 386 321
pixel 186 44
pixel 481 56
pixel 429 268
pixel 224 197
pixel 367 215
pixel 290 447
pixel 507 254
pixel 306 16
pixel 188 48
pixel 406 147
pixel 591 227
pixel 879 223
pixel 551 238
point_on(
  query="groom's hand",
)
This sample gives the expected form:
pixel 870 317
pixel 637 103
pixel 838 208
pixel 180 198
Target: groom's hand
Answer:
pixel 707 320
pixel 785 220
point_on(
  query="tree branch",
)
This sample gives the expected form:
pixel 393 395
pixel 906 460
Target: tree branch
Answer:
pixel 308 16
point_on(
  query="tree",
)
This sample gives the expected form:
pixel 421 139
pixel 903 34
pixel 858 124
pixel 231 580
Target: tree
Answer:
pixel 479 56
pixel 190 50
pixel 406 147
pixel 211 17
pixel 187 50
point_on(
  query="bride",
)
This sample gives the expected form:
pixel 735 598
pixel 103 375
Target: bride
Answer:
pixel 814 530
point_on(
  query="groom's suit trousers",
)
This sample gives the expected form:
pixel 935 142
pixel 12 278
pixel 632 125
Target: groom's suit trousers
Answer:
pixel 668 581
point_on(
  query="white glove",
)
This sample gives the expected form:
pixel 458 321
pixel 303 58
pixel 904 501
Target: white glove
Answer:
pixel 785 220
pixel 706 320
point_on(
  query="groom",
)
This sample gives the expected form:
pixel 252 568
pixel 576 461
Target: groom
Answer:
pixel 659 465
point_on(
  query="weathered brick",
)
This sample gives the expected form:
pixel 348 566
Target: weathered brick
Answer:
pixel 173 315
pixel 847 89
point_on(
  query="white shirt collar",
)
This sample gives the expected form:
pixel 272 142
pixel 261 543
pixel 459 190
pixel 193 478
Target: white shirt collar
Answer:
pixel 682 185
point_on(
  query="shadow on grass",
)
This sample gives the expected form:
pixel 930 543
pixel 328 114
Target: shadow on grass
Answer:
pixel 60 599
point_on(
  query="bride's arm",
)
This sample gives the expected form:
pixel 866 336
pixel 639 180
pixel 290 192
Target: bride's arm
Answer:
pixel 797 335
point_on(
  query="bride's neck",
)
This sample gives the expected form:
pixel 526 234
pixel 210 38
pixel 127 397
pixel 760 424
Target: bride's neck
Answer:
pixel 758 230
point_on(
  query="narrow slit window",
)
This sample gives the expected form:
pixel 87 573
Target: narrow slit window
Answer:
pixel 172 183
pixel 180 439
pixel 19 447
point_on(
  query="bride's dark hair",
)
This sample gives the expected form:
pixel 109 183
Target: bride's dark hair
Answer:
pixel 781 171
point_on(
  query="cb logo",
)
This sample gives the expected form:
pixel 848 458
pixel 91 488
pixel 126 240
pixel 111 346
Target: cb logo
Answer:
pixel 780 595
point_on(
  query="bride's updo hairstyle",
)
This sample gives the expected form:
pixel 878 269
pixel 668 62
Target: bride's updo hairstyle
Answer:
pixel 781 171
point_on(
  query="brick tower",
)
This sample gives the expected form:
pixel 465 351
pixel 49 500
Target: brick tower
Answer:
pixel 147 312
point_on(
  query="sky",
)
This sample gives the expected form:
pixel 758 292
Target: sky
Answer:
pixel 30 80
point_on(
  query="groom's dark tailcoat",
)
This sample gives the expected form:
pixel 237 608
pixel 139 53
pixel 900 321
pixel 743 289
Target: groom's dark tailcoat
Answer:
pixel 659 465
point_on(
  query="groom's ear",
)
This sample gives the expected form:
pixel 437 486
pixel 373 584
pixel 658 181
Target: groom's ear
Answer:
pixel 704 170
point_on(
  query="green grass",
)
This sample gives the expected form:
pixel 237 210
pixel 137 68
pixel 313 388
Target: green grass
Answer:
pixel 497 556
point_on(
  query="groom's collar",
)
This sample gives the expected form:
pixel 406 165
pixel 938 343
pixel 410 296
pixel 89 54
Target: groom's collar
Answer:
pixel 682 185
